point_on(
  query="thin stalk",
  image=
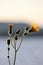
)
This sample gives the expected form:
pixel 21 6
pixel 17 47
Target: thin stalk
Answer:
pixel 15 56
pixel 20 43
pixel 9 58
pixel 11 41
pixel 15 51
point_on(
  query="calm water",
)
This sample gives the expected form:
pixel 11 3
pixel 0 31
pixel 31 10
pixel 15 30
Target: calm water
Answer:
pixel 30 53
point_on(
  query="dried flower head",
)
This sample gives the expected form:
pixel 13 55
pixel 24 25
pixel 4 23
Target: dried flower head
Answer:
pixel 25 33
pixel 8 49
pixel 34 28
pixel 18 31
pixel 10 28
pixel 8 41
pixel 8 57
pixel 16 37
pixel 26 28
pixel 10 25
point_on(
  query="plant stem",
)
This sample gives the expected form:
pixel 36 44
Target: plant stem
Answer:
pixel 20 44
pixel 11 41
pixel 15 55
pixel 9 58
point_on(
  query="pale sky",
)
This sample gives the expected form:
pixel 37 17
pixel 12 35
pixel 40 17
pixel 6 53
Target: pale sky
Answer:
pixel 25 10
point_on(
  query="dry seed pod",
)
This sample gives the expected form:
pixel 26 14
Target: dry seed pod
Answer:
pixel 8 41
pixel 25 34
pixel 10 29
pixel 26 28
pixel 8 57
pixel 8 49
pixel 30 30
pixel 16 38
pixel 18 31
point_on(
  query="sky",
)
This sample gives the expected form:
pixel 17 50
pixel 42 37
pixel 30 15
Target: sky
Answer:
pixel 27 11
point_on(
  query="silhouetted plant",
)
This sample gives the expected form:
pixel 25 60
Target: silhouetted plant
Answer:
pixel 27 30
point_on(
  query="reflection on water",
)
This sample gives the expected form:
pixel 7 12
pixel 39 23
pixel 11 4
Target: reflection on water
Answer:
pixel 30 53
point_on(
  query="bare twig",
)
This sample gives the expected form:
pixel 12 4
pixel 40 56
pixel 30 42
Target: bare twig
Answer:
pixel 11 41
pixel 15 56
pixel 15 51
pixel 8 57
pixel 20 43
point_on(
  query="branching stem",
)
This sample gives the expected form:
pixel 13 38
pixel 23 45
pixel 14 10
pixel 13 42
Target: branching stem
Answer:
pixel 11 41
pixel 20 43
